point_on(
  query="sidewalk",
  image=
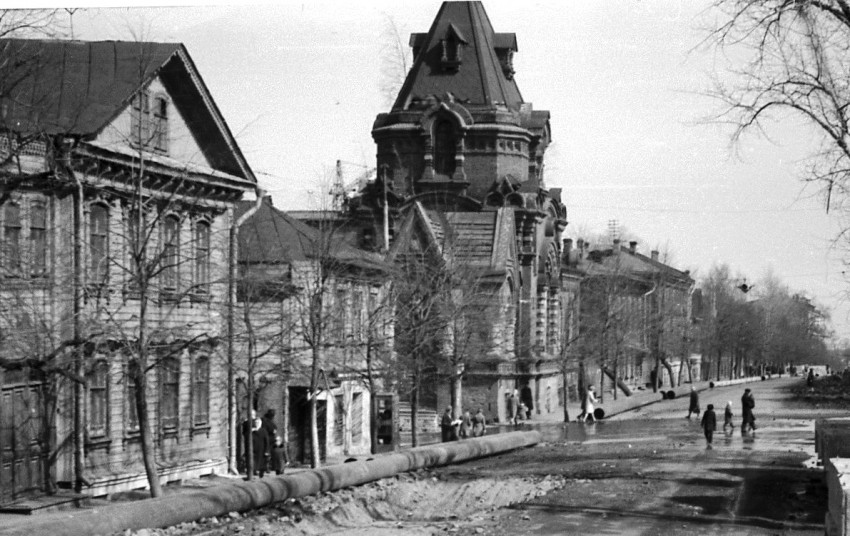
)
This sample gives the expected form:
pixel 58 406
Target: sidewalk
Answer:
pixel 638 399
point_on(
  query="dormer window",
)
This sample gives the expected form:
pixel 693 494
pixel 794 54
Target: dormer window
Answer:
pixel 451 52
pixel 506 59
pixel 505 48
pixel 451 48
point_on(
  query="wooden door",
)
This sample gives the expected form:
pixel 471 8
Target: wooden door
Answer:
pixel 22 456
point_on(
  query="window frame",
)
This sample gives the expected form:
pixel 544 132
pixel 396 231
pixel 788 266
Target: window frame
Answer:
pixel 98 265
pixel 12 226
pixel 203 244
pixel 445 147
pixel 170 253
pixel 98 414
pixel 39 251
pixel 201 391
pixel 131 416
pixel 169 394
pixel 158 117
pixel 140 123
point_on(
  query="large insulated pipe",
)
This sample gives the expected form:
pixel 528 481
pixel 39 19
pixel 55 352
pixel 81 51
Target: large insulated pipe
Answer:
pixel 241 496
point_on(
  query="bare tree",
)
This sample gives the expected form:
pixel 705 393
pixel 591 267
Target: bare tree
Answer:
pixel 394 60
pixel 797 64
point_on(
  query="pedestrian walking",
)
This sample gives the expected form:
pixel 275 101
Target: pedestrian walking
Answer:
pixel 810 379
pixel 589 400
pixel 513 407
pixel 447 425
pixel 465 425
pixel 479 423
pixel 693 407
pixel 748 419
pixel 709 424
pixel 727 416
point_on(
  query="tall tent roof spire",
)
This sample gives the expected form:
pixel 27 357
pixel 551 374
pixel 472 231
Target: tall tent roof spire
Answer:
pixel 462 56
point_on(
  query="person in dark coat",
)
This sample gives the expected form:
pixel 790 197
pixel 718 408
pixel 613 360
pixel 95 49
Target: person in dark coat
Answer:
pixel 276 449
pixel 709 424
pixel 465 425
pixel 748 402
pixel 513 407
pixel 479 423
pixel 447 425
pixel 260 442
pixel 693 407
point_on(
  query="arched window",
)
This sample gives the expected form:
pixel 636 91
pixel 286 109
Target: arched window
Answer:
pixel 201 391
pixel 98 399
pixel 202 257
pixel 38 238
pixel 11 253
pixel 170 252
pixel 445 147
pixel 98 244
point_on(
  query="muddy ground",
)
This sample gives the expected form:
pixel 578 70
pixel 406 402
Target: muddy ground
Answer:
pixel 646 475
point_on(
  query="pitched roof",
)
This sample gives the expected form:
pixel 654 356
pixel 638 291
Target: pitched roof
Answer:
pixel 74 87
pixel 270 236
pixel 480 241
pixel 77 88
pixel 606 261
pixel 479 77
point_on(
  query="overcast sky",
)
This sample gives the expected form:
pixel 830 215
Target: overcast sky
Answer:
pixel 299 85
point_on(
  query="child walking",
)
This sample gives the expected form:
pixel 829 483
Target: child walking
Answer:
pixel 709 424
pixel 727 416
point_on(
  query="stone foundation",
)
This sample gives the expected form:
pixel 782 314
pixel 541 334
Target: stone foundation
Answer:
pixel 832 438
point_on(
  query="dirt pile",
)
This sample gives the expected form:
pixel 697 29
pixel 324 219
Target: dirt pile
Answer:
pixel 417 503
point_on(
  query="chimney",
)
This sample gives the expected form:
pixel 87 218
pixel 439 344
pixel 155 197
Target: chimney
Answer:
pixel 616 247
pixel 580 248
pixel 654 254
pixel 633 247
pixel 568 249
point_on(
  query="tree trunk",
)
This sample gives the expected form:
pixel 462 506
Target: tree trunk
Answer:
pixel 373 402
pixel 457 394
pixel 373 419
pixel 566 396
pixel 414 405
pixel 669 368
pixel 315 454
pixel 615 376
pixel 79 368
pixel 145 430
pixel 619 382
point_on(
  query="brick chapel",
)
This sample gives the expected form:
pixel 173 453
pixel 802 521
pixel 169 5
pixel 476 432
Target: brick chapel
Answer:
pixel 461 169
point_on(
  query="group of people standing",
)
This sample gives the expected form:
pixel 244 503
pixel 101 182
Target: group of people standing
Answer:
pixel 466 426
pixel 709 418
pixel 267 450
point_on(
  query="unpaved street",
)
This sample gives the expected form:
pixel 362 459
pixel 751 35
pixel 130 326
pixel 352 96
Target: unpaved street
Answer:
pixel 645 472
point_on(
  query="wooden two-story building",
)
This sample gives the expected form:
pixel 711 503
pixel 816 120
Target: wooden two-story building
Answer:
pixel 118 180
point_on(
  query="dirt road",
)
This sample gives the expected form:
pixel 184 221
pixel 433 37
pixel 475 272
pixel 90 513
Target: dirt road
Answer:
pixel 645 472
